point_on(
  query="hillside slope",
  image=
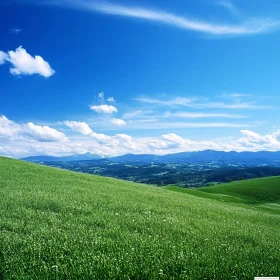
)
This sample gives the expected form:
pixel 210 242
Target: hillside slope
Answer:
pixel 261 190
pixel 56 224
pixel 261 193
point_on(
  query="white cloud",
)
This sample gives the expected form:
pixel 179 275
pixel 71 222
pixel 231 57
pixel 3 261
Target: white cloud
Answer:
pixel 158 144
pixel 3 57
pixel 100 137
pixel 44 133
pixel 246 27
pixel 80 127
pixel 228 5
pixel 84 129
pixel 195 115
pixel 252 136
pixel 27 139
pixel 24 64
pixel 180 101
pixel 200 103
pixel 222 105
pixel 10 130
pixel 110 99
pixel 155 125
pixel 118 122
pixel 253 139
pixel 107 109
pixel 101 95
pixel 174 138
pixel 236 95
pixel 124 137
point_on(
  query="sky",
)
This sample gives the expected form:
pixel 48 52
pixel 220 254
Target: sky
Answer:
pixel 118 77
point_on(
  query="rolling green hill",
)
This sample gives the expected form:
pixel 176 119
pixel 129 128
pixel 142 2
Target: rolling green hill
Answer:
pixel 57 224
pixel 262 193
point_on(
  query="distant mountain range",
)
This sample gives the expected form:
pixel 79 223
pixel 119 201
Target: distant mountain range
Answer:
pixel 43 158
pixel 248 158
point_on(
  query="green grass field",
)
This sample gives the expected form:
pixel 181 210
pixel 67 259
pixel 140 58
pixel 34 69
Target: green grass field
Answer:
pixel 262 193
pixel 56 224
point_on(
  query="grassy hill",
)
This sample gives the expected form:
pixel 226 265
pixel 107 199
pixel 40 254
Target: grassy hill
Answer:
pixel 56 224
pixel 261 193
pixel 261 190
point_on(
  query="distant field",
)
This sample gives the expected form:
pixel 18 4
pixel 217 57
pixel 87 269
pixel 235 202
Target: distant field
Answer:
pixel 57 224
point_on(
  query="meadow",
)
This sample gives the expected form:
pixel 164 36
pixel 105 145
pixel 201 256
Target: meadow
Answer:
pixel 58 224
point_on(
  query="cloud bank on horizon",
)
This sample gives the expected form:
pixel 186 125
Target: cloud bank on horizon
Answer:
pixel 21 140
pixel 165 114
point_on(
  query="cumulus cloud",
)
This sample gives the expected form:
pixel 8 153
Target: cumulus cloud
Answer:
pixel 257 141
pixel 3 57
pixel 43 133
pixel 252 136
pixel 80 127
pixel 101 138
pixel 10 130
pixel 174 138
pixel 124 137
pixel 118 122
pixel 25 64
pixel 84 129
pixel 107 109
pixel 27 139
pixel 110 99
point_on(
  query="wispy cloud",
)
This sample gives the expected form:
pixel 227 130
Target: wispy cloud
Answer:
pixel 248 27
pixel 194 115
pixel 234 95
pixel 171 102
pixel 101 95
pixel 200 103
pixel 228 5
pixel 134 114
pixel 167 125
pixel 15 30
pixel 180 125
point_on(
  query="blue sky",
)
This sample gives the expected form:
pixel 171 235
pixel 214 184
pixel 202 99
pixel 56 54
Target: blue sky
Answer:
pixel 138 76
